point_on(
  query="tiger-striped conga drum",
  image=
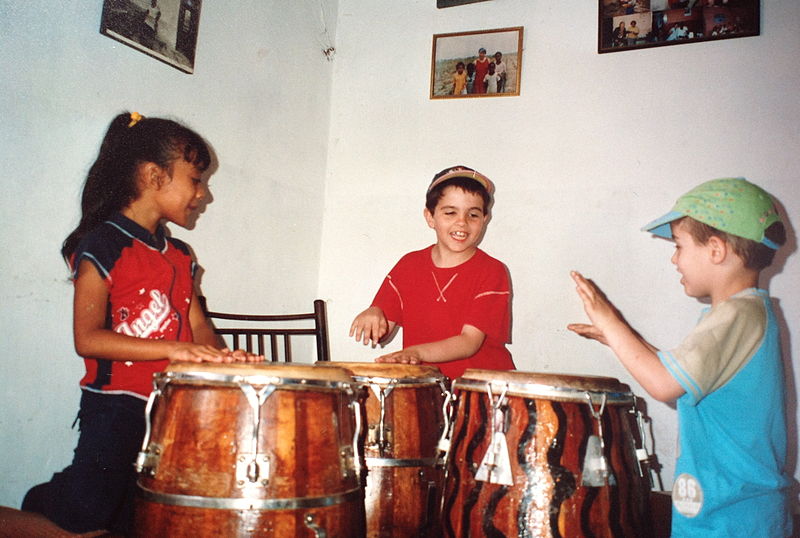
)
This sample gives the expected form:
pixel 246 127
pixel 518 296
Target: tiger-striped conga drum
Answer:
pixel 542 455
pixel 405 420
pixel 251 450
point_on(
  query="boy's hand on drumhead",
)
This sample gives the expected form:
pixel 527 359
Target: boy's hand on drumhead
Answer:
pixel 369 326
pixel 405 356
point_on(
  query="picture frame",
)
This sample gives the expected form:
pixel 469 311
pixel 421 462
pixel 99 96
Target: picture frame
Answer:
pixel 457 62
pixel 637 24
pixel 164 29
pixel 450 3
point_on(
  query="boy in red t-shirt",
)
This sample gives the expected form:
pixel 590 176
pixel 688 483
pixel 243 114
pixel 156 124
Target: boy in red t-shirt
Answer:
pixel 452 299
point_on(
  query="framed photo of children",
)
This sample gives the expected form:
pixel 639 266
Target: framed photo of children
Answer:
pixel 636 24
pixel 481 63
pixel 164 29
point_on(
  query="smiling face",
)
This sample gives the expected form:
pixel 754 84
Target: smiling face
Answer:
pixel 458 219
pixel 181 192
pixel 693 261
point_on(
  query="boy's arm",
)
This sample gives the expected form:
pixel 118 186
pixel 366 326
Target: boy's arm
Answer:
pixel 637 355
pixel 461 346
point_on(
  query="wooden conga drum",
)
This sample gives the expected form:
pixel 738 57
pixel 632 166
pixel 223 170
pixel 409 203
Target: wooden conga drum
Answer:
pixel 405 420
pixel 543 455
pixel 251 450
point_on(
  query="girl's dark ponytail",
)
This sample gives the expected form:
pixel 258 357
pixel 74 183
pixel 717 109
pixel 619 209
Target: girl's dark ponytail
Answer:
pixel 111 184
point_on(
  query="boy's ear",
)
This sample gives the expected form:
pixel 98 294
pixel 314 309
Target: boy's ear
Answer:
pixel 428 217
pixel 718 249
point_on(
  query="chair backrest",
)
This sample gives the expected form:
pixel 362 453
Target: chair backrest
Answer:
pixel 251 331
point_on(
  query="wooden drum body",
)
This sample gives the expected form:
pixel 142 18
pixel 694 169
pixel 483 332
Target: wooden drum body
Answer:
pixel 405 421
pixel 251 450
pixel 543 455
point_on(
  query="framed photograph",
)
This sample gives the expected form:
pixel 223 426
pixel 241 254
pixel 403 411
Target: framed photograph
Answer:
pixel 450 3
pixel 482 63
pixel 164 29
pixel 636 24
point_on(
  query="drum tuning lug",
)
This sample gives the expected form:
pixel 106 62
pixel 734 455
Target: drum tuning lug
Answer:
pixel 147 460
pixel 311 523
pixel 252 470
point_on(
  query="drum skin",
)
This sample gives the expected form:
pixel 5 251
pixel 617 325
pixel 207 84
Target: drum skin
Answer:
pixel 547 438
pixel 403 483
pixel 202 428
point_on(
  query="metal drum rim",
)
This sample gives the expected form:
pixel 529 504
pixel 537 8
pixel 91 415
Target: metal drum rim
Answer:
pixel 532 390
pixel 292 383
pixel 381 380
pixel 244 503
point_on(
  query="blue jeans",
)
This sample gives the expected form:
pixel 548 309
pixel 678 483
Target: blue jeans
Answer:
pixel 97 490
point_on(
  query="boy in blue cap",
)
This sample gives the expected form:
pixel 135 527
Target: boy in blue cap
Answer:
pixel 727 375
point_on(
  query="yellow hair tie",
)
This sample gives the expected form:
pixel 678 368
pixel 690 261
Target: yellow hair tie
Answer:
pixel 135 117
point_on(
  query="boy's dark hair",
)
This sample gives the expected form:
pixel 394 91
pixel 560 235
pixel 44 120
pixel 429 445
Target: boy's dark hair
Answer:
pixel 459 64
pixel 465 184
pixel 111 183
pixel 755 255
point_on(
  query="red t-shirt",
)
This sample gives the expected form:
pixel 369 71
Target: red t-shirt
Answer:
pixel 150 284
pixel 433 303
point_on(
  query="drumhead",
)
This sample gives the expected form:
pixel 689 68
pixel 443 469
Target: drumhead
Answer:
pixel 563 387
pixel 388 372
pixel 256 373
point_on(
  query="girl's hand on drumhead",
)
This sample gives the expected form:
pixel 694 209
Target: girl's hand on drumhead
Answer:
pixel 190 352
pixel 240 355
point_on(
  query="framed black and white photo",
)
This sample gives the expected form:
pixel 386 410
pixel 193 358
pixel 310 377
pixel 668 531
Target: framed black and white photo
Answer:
pixel 480 63
pixel 636 24
pixel 164 29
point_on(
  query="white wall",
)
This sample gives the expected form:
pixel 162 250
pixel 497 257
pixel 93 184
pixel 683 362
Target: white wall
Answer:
pixel 594 147
pixel 259 94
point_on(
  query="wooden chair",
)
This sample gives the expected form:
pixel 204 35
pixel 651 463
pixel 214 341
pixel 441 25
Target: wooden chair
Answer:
pixel 250 331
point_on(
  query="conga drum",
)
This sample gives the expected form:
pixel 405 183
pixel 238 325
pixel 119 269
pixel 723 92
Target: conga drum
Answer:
pixel 535 454
pixel 405 420
pixel 251 450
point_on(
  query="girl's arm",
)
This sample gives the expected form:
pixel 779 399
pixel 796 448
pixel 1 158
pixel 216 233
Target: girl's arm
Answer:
pixel 93 339
pixel 203 334
pixel 637 355
pixel 202 330
pixel 462 346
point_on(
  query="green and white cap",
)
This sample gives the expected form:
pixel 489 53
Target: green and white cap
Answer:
pixel 731 205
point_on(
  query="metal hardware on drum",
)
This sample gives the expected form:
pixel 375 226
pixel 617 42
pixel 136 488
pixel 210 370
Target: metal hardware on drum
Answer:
pixel 248 503
pixel 311 523
pixel 495 468
pixel 443 446
pixel 595 471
